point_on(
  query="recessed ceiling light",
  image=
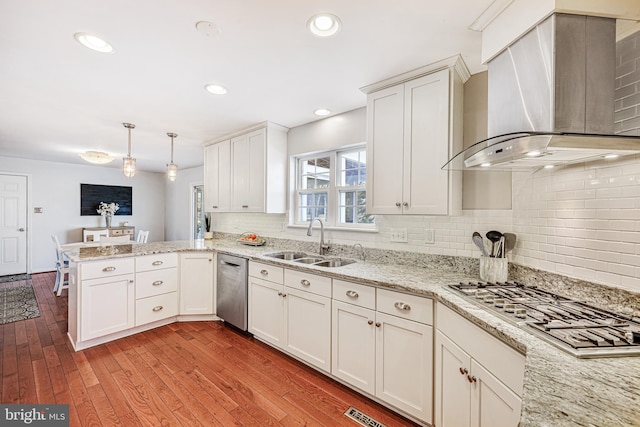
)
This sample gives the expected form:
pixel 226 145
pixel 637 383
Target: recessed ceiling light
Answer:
pixel 208 29
pixel 610 156
pixel 322 112
pixel 485 165
pixel 324 24
pixel 93 42
pixel 548 166
pixel 533 153
pixel 216 89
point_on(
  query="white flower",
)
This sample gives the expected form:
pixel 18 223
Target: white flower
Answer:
pixel 107 208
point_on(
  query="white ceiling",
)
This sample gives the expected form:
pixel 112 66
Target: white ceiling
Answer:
pixel 58 99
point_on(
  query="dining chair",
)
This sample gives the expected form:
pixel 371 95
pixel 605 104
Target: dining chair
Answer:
pixel 94 235
pixel 143 235
pixel 62 267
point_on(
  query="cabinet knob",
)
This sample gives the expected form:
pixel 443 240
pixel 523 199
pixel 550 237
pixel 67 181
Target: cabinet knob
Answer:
pixel 131 281
pixel 214 207
pixel 305 282
pixel 472 379
pixel 370 322
pixel 157 283
pixel 402 306
pixel 378 324
pixel 352 294
pixel 405 204
pixel 264 272
pixel 157 308
pixel 245 206
pixel 398 204
pixel 464 371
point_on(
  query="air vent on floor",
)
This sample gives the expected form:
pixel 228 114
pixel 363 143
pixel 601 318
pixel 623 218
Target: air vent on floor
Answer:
pixel 362 418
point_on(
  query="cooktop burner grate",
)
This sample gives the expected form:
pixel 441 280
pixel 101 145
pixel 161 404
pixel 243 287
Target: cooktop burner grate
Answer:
pixel 574 326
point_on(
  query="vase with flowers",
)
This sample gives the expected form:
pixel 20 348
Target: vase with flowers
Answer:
pixel 107 210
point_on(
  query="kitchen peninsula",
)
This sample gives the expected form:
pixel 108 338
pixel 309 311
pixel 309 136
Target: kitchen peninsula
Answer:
pixel 558 389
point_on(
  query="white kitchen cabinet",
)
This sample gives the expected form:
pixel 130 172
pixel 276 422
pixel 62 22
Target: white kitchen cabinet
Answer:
pixel 478 379
pixel 256 167
pixel 197 272
pixel 106 297
pixel 287 309
pixel 387 352
pixel 217 177
pixel 413 128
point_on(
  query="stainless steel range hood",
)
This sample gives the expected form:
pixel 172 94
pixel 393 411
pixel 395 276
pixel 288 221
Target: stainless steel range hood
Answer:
pixel 551 99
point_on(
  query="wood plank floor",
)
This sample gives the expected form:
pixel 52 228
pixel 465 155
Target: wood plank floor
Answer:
pixel 189 374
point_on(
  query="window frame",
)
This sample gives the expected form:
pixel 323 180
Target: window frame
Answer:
pixel 332 219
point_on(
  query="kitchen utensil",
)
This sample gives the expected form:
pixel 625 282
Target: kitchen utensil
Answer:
pixel 494 237
pixel 479 241
pixel 500 253
pixel 510 242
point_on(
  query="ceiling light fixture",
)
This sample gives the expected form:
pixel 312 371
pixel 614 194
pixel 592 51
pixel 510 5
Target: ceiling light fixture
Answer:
pixel 172 168
pixel 129 163
pixel 324 24
pixel 548 166
pixel 611 156
pixel 322 112
pixel 215 89
pixel 93 42
pixel 96 157
pixel 485 165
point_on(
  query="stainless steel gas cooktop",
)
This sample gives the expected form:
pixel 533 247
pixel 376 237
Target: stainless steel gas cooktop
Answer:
pixel 573 326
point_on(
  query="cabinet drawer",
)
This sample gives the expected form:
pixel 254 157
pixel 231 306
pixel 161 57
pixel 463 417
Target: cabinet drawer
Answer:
pixel 268 272
pixel 318 285
pixel 410 307
pixel 354 293
pixel 156 308
pixel 107 268
pixel 156 262
pixel 150 283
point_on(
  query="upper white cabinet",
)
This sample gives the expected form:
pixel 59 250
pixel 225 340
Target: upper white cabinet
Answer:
pixel 414 125
pixel 247 171
pixel 217 177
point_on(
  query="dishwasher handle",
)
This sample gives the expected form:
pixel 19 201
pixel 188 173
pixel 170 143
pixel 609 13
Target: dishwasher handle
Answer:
pixel 230 264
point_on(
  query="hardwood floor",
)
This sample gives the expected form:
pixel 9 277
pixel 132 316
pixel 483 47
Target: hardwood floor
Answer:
pixel 191 373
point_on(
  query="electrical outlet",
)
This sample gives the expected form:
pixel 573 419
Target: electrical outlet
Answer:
pixel 399 235
pixel 429 236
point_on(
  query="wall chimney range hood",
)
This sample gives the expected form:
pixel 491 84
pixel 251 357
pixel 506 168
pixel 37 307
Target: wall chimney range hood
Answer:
pixel 551 99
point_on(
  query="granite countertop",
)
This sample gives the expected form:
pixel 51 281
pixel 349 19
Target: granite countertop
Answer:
pixel 559 389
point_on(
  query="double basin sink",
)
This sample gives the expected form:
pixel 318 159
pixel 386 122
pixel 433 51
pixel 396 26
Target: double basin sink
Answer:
pixel 302 258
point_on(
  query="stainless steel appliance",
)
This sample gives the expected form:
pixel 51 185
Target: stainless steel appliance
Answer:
pixel 573 326
pixel 231 290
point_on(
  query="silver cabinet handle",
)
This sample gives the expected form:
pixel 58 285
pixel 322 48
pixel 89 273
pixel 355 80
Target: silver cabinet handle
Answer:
pixel 157 308
pixel 398 204
pixel 352 294
pixel 402 306
pixel 108 269
pixel 264 272
pixel 245 206
pixel 157 283
pixel 157 263
pixel 214 207
pixel 131 281
pixel 405 204
pixel 305 282
pixel 20 229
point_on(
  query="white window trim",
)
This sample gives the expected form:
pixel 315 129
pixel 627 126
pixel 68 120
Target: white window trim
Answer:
pixel 332 191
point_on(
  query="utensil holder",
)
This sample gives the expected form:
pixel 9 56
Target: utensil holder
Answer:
pixel 208 235
pixel 494 269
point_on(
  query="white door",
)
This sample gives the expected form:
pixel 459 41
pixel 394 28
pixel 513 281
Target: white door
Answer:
pixel 267 311
pixel 453 390
pixel 107 306
pixel 354 343
pixel 196 283
pixel 404 365
pixel 493 403
pixel 13 224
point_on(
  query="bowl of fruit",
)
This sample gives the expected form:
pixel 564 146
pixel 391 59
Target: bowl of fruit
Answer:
pixel 251 239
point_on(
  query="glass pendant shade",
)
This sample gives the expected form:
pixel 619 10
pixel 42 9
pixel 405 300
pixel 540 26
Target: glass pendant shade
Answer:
pixel 172 168
pixel 129 163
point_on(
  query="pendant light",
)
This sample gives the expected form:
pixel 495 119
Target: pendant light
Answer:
pixel 129 163
pixel 172 168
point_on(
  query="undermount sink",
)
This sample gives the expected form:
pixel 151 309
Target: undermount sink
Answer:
pixel 302 258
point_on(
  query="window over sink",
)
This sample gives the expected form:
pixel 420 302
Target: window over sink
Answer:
pixel 331 185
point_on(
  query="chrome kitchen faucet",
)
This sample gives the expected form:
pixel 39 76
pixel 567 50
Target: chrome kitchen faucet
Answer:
pixel 323 248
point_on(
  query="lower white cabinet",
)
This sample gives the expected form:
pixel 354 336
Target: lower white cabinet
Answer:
pixel 385 353
pixel 197 283
pixel 107 305
pixel 467 392
pixel 295 320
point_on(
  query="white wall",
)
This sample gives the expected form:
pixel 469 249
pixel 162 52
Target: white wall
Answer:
pixel 56 188
pixel 179 208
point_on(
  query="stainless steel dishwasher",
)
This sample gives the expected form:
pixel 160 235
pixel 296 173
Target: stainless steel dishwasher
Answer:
pixel 232 290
